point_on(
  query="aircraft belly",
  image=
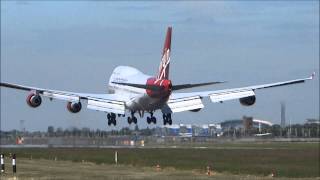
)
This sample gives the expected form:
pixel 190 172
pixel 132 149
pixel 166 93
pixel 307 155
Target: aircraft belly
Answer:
pixel 146 103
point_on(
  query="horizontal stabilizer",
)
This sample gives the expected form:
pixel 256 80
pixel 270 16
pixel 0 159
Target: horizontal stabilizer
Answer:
pixel 142 86
pixel 186 86
pixel 174 87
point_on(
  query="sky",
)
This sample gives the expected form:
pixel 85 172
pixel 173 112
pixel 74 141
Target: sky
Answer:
pixel 75 45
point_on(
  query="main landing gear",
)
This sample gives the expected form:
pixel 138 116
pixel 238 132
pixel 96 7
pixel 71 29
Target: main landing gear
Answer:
pixel 132 119
pixel 111 119
pixel 167 119
pixel 151 119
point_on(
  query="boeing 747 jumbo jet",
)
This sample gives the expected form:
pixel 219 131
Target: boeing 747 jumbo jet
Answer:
pixel 135 92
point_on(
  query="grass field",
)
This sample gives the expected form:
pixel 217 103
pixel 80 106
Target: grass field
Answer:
pixel 286 159
pixel 48 169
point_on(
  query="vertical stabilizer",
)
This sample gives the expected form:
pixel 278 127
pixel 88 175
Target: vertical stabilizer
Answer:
pixel 165 59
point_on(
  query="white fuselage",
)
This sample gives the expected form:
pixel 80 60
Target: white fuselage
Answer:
pixel 137 98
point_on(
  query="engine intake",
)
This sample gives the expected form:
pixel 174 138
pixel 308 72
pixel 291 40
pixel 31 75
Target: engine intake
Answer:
pixel 34 100
pixel 248 101
pixel 74 107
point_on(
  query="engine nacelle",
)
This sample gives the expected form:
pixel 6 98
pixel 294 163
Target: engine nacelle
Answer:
pixel 34 100
pixel 74 107
pixel 248 101
pixel 195 110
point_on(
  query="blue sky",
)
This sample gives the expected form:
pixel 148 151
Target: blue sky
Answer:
pixel 75 45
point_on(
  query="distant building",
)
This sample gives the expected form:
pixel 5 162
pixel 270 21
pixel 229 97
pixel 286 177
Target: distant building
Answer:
pixel 185 130
pixel 283 115
pixel 215 130
pixel 173 130
pixel 201 130
pixel 245 124
pixel 212 130
pixel 204 131
pixel 312 121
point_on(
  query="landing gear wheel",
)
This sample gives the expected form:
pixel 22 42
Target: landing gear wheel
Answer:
pixel 148 120
pixel 151 119
pixel 134 119
pixel 167 119
pixel 111 119
pixel 129 120
pixel 154 120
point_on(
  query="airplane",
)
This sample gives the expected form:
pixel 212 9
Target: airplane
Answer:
pixel 130 90
pixel 263 134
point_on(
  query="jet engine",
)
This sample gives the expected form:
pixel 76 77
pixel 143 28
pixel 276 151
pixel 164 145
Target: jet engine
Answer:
pixel 74 107
pixel 248 101
pixel 34 100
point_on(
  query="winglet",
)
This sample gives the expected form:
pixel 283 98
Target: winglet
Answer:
pixel 312 75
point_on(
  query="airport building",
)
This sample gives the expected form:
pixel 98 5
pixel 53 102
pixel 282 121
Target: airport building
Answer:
pixel 186 130
pixel 213 130
pixel 312 121
pixel 189 130
pixel 246 127
pixel 244 124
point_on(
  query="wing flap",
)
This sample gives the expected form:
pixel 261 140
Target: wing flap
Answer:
pixel 185 104
pixel 229 95
pixel 117 107
pixel 65 97
pixel 187 86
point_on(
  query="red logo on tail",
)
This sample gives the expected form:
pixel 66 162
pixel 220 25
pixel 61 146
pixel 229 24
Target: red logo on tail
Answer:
pixel 165 60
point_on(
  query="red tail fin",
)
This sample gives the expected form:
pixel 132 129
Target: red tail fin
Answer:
pixel 165 60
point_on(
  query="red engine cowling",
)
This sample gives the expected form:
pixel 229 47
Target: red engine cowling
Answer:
pixel 34 100
pixel 248 101
pixel 74 107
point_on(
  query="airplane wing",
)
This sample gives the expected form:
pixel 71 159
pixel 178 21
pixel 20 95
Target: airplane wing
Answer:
pixel 112 103
pixel 179 102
